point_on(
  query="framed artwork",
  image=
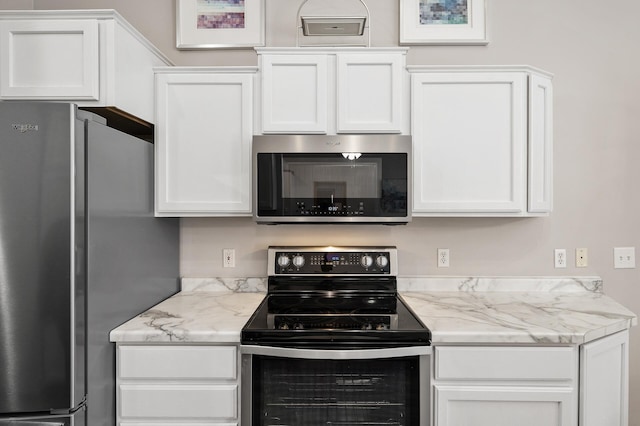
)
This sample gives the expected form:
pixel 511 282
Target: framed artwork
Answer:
pixel 443 22
pixel 211 24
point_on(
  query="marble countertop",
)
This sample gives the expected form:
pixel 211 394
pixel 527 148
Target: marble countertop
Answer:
pixel 456 310
pixel 192 317
pixel 518 317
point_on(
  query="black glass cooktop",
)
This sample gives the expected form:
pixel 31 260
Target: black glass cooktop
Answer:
pixel 334 317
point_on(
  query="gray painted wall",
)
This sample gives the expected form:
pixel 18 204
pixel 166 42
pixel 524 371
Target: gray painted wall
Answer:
pixel 590 46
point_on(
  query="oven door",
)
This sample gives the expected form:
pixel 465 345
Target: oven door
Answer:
pixel 285 386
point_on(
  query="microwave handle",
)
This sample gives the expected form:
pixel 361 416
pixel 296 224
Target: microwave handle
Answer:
pixel 347 354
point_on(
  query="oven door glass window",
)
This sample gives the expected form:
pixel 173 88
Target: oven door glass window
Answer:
pixel 306 392
pixel 338 184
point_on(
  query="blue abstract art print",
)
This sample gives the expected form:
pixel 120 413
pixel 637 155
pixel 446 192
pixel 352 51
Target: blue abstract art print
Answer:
pixel 444 12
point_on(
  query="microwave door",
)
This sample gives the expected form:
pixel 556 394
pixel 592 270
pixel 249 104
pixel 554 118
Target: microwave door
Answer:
pixel 269 182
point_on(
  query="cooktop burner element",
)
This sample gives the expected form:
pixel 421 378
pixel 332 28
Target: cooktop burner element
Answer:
pixel 323 297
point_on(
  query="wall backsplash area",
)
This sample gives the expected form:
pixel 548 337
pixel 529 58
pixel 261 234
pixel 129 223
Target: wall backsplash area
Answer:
pixel 596 150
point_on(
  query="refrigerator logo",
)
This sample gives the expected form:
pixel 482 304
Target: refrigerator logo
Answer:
pixel 332 143
pixel 23 128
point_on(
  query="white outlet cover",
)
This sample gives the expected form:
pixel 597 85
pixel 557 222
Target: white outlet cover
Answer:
pixel 228 258
pixel 443 258
pixel 624 257
pixel 560 258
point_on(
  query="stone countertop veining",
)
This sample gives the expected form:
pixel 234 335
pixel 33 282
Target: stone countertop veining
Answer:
pixel 456 310
pixel 519 317
pixel 191 317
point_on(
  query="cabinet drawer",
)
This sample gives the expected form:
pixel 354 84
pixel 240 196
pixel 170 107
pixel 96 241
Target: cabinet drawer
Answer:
pixel 506 363
pixel 177 362
pixel 178 401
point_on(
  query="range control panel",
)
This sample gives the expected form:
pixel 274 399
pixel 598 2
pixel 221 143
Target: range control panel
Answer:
pixel 332 261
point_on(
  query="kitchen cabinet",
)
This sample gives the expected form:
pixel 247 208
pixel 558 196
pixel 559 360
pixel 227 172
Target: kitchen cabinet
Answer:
pixel 90 57
pixel 333 90
pixel 483 141
pixel 533 385
pixel 177 384
pixel 604 381
pixel 203 140
pixel 505 385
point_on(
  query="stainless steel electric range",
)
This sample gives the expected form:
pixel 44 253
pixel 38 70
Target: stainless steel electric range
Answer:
pixel 334 343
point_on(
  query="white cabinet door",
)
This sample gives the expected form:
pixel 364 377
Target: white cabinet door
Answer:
pixel 203 142
pixel 470 140
pixel 49 59
pixel 329 91
pixel 503 406
pixel 294 93
pixel 604 381
pixel 369 93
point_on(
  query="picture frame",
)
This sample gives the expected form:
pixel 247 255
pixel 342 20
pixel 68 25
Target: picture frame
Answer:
pixel 441 22
pixel 220 24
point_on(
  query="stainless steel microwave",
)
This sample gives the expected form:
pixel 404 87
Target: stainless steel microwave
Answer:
pixel 332 179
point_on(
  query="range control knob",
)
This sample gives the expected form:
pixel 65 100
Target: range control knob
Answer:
pixel 298 261
pixel 382 261
pixel 366 261
pixel 283 260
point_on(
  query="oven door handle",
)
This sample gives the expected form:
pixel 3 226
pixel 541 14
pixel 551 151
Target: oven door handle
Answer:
pixel 335 354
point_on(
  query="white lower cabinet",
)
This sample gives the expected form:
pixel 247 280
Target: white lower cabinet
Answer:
pixel 504 406
pixel 505 386
pixel 177 385
pixel 586 385
pixel 604 381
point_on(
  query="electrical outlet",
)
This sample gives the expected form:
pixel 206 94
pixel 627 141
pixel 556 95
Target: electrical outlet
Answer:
pixel 229 258
pixel 581 258
pixel 443 258
pixel 560 258
pixel 624 257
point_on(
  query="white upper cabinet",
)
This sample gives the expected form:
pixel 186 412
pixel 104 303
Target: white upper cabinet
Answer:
pixel 50 59
pixel 294 93
pixel 93 58
pixel 338 90
pixel 370 93
pixel 482 141
pixel 203 141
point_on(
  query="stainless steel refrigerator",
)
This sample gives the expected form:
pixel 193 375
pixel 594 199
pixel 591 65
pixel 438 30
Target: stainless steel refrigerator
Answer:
pixel 80 253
